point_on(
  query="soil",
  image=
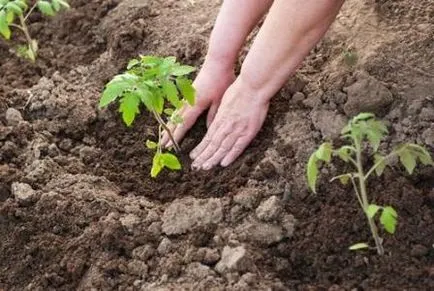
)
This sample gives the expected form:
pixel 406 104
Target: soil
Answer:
pixel 78 210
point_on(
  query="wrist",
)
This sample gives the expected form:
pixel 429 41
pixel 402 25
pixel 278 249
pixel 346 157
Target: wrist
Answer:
pixel 219 62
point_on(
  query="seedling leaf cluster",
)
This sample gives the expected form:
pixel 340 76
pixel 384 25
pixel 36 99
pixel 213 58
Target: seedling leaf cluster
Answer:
pixel 362 129
pixel 159 85
pixel 15 13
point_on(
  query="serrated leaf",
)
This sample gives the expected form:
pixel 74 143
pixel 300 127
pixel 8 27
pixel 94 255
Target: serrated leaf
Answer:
pixel 156 165
pixel 407 159
pixel 152 145
pixel 324 152
pixel 388 219
pixel 187 89
pixel 182 70
pixel 379 159
pixel 171 92
pixel 170 161
pixel 145 96
pixel 45 8
pixel 312 172
pixel 375 131
pixel 422 154
pixel 3 2
pixel 344 153
pixel 116 87
pixel 372 210
pixel 358 246
pixel 4 26
pixel 129 106
pixel 11 6
pixel 157 101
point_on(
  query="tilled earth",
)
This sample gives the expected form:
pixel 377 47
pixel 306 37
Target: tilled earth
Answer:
pixel 78 210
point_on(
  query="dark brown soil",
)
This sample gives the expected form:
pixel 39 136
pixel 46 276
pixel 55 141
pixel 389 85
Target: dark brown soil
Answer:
pixel 95 220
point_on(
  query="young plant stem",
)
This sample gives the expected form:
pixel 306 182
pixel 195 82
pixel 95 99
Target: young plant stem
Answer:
pixel 364 197
pixel 26 33
pixel 164 125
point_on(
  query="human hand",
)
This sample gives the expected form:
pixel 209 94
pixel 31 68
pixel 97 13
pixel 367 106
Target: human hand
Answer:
pixel 210 84
pixel 239 118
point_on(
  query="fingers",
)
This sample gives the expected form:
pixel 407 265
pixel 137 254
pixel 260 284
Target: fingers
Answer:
pixel 211 114
pixel 213 138
pixel 216 150
pixel 237 149
pixel 189 116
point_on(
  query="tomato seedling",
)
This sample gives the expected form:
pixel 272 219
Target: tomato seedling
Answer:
pixel 161 85
pixel 15 13
pixel 361 129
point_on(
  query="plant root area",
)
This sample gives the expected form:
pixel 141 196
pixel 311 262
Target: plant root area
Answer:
pixel 79 211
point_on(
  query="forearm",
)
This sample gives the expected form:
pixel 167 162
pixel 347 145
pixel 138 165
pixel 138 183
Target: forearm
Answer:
pixel 235 21
pixel 291 30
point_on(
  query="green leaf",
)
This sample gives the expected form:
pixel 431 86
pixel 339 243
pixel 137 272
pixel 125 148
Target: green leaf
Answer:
pixel 116 87
pixel 150 60
pixel 129 107
pixel 375 131
pixel 11 6
pixel 145 96
pixel 363 116
pixel 312 172
pixel 10 17
pixel 187 89
pixel 132 63
pixel 56 5
pixel 22 4
pixel 171 92
pixel 182 70
pixel 407 159
pixel 157 101
pixel 324 152
pixel 4 26
pixel 422 154
pixel 64 3
pixel 344 179
pixel 152 145
pixel 372 210
pixel 45 8
pixel 388 219
pixel 380 160
pixel 168 111
pixel 156 165
pixel 170 161
pixel 345 153
pixel 176 119
pixel 358 246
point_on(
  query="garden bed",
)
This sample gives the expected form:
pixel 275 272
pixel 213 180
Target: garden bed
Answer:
pixel 78 208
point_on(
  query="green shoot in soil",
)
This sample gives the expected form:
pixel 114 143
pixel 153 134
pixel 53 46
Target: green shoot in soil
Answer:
pixel 15 13
pixel 153 81
pixel 365 128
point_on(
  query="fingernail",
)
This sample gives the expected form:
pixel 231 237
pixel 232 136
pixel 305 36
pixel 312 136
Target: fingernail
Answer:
pixel 193 154
pixel 224 164
pixel 206 167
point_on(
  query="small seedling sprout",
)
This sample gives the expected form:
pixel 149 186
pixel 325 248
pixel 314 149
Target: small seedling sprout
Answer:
pixel 365 128
pixel 160 84
pixel 15 13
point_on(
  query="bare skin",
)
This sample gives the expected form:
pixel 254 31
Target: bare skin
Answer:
pixel 238 108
